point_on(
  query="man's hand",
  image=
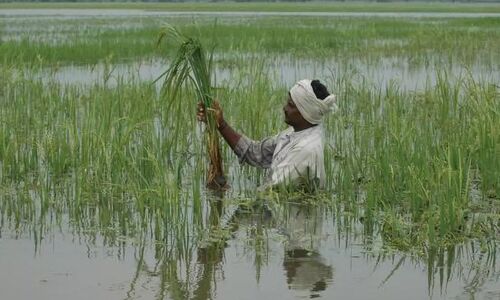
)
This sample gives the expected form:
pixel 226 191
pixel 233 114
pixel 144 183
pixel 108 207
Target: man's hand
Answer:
pixel 216 109
pixel 232 137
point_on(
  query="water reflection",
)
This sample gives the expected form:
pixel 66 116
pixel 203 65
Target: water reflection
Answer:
pixel 307 271
pixel 221 248
pixel 197 272
pixel 305 268
pixel 301 226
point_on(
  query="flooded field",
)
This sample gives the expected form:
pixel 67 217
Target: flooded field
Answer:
pixel 102 188
pixel 282 72
pixel 256 261
pixel 92 13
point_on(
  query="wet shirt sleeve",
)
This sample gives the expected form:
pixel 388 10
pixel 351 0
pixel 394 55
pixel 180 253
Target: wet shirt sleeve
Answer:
pixel 256 153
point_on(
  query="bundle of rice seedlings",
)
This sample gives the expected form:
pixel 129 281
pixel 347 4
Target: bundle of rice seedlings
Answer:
pixel 192 67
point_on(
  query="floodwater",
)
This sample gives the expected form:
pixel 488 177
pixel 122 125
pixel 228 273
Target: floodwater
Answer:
pixel 283 71
pixel 273 251
pixel 71 13
pixel 262 250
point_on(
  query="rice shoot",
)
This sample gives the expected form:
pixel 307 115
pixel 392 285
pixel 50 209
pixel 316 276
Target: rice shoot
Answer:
pixel 191 66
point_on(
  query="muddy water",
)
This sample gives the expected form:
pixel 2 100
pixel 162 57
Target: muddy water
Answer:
pixel 283 71
pixel 269 251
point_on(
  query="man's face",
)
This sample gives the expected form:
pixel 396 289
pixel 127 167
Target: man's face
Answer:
pixel 292 114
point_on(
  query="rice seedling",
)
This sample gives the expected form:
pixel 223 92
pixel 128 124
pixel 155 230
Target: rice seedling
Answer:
pixel 191 65
pixel 428 42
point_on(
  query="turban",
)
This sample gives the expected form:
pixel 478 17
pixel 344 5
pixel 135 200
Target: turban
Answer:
pixel 310 107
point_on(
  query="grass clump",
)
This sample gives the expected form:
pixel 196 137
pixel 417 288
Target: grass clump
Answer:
pixel 192 67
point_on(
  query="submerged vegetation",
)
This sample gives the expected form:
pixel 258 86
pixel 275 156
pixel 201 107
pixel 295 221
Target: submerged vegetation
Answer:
pixel 412 174
pixel 426 161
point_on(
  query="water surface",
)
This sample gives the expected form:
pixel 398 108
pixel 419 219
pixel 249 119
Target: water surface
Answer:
pixel 269 251
pixel 284 71
pixel 67 13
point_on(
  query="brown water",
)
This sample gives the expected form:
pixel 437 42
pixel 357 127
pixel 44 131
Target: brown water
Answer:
pixel 269 250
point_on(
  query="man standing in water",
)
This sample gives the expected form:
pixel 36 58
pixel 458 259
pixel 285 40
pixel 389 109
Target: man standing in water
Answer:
pixel 295 155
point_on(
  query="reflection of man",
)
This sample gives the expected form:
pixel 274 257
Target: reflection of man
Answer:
pixel 295 155
pixel 306 271
pixel 304 267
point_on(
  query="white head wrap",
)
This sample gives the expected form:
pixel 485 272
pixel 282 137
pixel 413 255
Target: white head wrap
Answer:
pixel 310 107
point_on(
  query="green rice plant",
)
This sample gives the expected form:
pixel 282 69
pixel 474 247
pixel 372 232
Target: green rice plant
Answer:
pixel 484 100
pixel 191 66
pixel 369 39
pixel 415 172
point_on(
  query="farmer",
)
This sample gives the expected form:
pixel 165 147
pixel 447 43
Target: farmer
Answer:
pixel 294 156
